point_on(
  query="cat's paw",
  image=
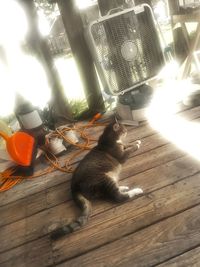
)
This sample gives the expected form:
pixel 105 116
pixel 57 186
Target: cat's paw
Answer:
pixel 138 143
pixel 123 188
pixel 135 146
pixel 135 192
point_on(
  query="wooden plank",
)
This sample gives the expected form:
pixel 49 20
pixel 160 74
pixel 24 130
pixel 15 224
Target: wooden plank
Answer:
pixel 37 253
pixel 181 165
pixel 130 217
pixel 188 259
pixel 147 247
pixel 47 181
pixel 57 194
pixel 42 183
pixel 27 187
pixel 23 207
pixel 61 193
pixel 28 209
pixel 36 226
pixel 151 159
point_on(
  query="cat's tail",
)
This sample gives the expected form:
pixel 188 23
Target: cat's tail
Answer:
pixel 85 206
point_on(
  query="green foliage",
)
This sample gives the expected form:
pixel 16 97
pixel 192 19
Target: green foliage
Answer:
pixel 78 107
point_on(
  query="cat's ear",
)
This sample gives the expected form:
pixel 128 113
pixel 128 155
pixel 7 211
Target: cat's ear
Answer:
pixel 116 127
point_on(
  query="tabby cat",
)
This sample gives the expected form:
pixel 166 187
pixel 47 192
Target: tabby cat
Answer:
pixel 97 175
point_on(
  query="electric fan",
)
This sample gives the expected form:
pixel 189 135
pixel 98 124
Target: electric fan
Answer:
pixel 127 53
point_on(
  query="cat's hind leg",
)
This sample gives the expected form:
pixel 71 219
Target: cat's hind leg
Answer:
pixel 116 194
pixel 121 196
pixel 123 188
pixel 135 192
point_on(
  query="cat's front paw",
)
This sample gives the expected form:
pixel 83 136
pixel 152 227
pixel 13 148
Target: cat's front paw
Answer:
pixel 138 143
pixel 135 146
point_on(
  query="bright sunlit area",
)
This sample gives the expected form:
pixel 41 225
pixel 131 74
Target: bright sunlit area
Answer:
pixel 163 111
pixel 101 166
pixel 21 71
pixel 82 4
pixel 70 78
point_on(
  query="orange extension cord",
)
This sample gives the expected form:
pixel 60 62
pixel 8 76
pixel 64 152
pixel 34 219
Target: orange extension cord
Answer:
pixel 7 180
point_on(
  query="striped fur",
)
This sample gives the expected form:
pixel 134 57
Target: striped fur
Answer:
pixel 85 207
pixel 97 176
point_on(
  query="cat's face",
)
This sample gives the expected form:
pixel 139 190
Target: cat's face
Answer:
pixel 119 131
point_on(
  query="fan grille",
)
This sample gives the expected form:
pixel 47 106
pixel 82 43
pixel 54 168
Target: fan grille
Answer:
pixel 127 49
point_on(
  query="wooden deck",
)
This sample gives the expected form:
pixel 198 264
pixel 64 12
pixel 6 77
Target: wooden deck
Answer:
pixel 160 228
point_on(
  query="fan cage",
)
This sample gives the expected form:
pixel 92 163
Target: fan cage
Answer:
pixel 126 48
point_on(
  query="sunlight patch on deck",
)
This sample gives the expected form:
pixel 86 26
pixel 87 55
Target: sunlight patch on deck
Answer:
pixel 162 116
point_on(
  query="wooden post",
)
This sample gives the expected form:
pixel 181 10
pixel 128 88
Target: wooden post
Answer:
pixel 174 7
pixel 60 109
pixel 75 32
pixel 180 34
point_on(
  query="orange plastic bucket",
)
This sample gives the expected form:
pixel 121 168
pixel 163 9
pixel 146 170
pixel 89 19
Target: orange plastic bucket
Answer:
pixel 20 147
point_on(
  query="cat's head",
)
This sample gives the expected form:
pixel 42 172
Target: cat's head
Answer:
pixel 116 130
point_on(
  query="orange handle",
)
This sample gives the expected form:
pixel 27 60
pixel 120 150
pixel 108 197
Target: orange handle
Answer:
pixel 95 118
pixel 4 136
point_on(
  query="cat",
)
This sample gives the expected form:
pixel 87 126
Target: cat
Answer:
pixel 97 175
